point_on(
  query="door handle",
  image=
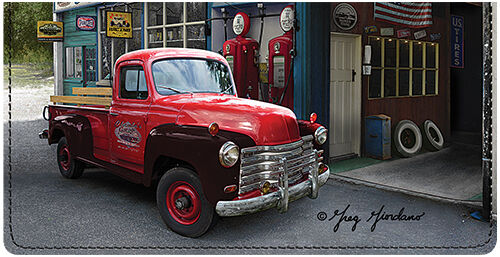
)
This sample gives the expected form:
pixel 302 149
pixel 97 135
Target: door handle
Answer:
pixel 353 75
pixel 113 114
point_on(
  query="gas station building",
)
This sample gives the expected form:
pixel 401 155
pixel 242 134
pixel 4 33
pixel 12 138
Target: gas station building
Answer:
pixel 351 60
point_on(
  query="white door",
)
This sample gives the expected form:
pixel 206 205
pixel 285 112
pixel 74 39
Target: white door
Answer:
pixel 345 94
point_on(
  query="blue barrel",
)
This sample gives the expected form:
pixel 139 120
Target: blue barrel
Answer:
pixel 378 136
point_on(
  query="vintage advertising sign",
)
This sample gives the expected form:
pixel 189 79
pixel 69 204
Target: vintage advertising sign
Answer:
pixel 50 31
pixel 420 34
pixel 435 36
pixel 86 23
pixel 345 16
pixel 386 31
pixel 287 17
pixel 370 29
pixel 118 24
pixel 457 41
pixel 402 33
pixel 241 24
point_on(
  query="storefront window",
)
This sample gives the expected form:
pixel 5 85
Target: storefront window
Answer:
pixel 74 62
pixel 176 25
pixel 70 65
pixel 155 38
pixel 90 58
pixel 78 62
pixel 167 25
pixel 403 67
pixel 175 12
pixel 196 11
pixel 196 36
pixel 155 14
pixel 110 49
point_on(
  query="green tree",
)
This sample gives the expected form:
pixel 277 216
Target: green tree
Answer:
pixel 25 46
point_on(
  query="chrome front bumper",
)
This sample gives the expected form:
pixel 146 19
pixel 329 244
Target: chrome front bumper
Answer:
pixel 278 199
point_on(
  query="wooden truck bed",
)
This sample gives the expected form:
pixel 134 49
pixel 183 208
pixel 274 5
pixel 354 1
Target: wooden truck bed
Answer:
pixel 100 96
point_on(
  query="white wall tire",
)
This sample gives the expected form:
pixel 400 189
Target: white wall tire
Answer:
pixel 433 138
pixel 407 138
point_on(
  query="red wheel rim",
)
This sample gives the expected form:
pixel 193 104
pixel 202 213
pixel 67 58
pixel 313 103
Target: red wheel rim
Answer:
pixel 64 157
pixel 183 203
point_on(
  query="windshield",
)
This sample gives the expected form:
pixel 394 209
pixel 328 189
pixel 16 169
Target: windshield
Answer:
pixel 174 76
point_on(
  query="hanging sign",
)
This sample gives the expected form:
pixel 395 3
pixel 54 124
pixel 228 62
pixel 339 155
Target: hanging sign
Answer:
pixel 345 16
pixel 86 23
pixel 420 34
pixel 286 18
pixel 457 41
pixel 119 24
pixel 49 31
pixel 402 33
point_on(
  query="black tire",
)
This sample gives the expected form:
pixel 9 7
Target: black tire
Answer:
pixel 407 138
pixel 433 138
pixel 182 203
pixel 68 165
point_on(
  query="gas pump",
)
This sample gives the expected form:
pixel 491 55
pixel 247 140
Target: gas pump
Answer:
pixel 241 53
pixel 281 54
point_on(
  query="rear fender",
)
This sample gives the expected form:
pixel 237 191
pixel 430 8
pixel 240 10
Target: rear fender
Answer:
pixel 78 133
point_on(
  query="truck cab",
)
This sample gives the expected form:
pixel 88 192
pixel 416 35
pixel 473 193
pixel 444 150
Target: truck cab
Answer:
pixel 173 120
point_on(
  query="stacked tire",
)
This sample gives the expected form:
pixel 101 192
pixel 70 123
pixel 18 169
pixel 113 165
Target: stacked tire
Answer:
pixel 409 139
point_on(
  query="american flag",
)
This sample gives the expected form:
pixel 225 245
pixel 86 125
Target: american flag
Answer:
pixel 413 15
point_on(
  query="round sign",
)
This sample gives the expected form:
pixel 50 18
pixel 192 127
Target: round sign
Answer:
pixel 345 16
pixel 286 18
pixel 241 24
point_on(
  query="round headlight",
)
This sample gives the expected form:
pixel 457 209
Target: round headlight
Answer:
pixel 229 154
pixel 320 135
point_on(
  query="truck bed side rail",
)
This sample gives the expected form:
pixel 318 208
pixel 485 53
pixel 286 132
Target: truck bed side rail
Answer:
pixel 98 96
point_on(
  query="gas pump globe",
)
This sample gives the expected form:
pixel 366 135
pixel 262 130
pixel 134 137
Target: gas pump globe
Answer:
pixel 241 53
pixel 280 61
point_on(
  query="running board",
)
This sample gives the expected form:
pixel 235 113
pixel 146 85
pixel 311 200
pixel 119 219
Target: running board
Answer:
pixel 342 157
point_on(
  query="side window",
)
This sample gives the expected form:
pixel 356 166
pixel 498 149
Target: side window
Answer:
pixel 133 83
pixel 74 61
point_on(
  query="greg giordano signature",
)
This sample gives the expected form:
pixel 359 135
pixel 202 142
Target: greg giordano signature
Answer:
pixel 342 216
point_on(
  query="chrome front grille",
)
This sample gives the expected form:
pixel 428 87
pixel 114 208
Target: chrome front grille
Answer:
pixel 266 163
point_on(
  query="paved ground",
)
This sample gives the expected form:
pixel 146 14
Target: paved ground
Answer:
pixel 452 173
pixel 101 213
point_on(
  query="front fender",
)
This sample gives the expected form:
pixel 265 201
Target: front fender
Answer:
pixel 308 128
pixel 195 146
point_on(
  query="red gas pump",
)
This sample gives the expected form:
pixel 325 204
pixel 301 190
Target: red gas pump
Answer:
pixel 241 53
pixel 281 61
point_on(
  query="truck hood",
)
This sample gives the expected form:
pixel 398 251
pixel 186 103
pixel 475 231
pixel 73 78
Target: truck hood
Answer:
pixel 265 123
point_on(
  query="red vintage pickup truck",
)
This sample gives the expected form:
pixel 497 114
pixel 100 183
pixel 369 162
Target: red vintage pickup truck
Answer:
pixel 174 121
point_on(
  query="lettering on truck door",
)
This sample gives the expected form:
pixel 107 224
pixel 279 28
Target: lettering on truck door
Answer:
pixel 128 116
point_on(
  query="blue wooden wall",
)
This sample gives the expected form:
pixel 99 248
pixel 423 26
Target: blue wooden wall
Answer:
pixel 312 64
pixel 74 37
